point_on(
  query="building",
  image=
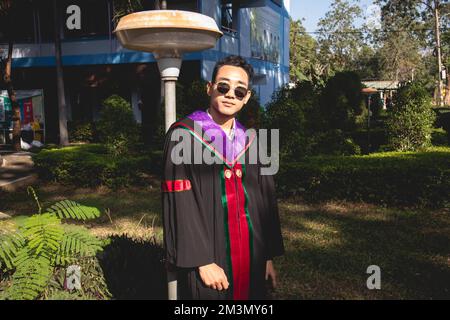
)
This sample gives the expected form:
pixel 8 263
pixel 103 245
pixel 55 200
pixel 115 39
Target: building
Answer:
pixel 95 64
pixel 385 89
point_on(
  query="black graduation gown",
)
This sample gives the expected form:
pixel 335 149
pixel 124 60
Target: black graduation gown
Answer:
pixel 196 225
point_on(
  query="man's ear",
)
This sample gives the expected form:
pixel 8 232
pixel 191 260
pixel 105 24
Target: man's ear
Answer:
pixel 209 86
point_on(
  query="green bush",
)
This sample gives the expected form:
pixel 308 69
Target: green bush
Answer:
pixel 289 116
pixel 314 120
pixel 117 127
pixel 392 178
pixel 443 120
pixel 91 165
pixel 81 131
pixel 411 119
pixel 334 142
pixel 439 137
pixel 378 138
pixel 341 101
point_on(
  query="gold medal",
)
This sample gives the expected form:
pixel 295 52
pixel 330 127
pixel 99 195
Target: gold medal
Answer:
pixel 228 174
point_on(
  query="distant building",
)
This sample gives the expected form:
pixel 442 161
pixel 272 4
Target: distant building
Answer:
pixel 385 89
pixel 95 62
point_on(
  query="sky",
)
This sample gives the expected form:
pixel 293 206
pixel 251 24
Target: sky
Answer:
pixel 310 11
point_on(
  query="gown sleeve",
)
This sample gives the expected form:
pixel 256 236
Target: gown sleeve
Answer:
pixel 272 228
pixel 186 233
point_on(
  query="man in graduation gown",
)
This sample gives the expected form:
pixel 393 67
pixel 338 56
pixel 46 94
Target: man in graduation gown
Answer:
pixel 220 218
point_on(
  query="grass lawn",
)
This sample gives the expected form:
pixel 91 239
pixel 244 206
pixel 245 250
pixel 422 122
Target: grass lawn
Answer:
pixel 328 246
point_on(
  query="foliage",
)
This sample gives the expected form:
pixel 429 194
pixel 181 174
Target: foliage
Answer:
pixel 339 39
pixel 314 120
pixel 32 247
pixel 304 64
pixel 91 165
pixel 443 120
pixel 251 115
pixel 392 178
pixel 334 142
pixel 341 101
pixel 117 127
pixel 82 131
pixel 288 114
pixel 411 119
pixel 134 268
pixel 124 7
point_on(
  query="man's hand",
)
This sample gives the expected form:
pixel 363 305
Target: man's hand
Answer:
pixel 213 277
pixel 270 272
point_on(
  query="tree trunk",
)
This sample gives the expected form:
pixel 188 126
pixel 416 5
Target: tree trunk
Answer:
pixel 62 109
pixel 12 97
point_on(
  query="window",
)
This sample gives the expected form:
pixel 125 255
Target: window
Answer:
pixel 229 10
pixel 95 19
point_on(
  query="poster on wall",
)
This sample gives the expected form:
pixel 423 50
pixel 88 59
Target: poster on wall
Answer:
pixel 5 111
pixel 27 111
pixel 31 105
pixel 2 111
pixel 265 39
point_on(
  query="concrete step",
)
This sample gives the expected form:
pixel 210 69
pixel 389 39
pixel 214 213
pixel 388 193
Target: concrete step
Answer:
pixel 17 170
pixel 4 216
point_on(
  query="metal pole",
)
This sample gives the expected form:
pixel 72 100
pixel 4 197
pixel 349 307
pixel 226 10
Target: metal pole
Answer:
pixel 169 66
pixel 170 118
pixel 170 102
pixel 438 50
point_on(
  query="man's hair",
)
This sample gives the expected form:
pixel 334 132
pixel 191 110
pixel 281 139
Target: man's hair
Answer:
pixel 235 61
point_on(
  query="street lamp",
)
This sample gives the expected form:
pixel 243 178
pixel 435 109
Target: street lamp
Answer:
pixel 168 34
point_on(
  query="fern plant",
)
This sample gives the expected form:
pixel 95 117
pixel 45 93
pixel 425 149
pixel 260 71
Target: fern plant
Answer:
pixel 32 248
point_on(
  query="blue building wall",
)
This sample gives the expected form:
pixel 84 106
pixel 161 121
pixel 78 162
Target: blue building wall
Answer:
pixel 107 49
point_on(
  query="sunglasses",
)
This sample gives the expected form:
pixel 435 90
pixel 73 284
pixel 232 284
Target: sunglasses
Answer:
pixel 239 92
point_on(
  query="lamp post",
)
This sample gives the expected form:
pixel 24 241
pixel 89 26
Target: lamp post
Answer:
pixel 168 34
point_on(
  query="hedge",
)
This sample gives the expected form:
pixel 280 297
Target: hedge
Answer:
pixel 91 165
pixel 400 179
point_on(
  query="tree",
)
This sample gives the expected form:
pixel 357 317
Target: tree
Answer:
pixel 62 108
pixel 410 38
pixel 304 63
pixel 9 11
pixel 341 101
pixel 339 39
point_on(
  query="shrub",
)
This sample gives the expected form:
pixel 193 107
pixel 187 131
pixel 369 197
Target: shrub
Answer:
pixel 341 101
pixel 33 247
pixel 117 127
pixel 91 165
pixel 392 178
pixel 334 142
pixel 288 115
pixel 251 115
pixel 81 131
pixel 443 120
pixel 411 119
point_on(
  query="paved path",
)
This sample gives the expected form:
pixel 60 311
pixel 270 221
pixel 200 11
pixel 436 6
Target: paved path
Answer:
pixel 16 170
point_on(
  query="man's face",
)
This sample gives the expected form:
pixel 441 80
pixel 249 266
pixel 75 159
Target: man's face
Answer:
pixel 229 102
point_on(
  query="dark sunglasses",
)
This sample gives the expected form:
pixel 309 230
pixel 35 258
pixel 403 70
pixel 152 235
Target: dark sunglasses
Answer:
pixel 239 92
